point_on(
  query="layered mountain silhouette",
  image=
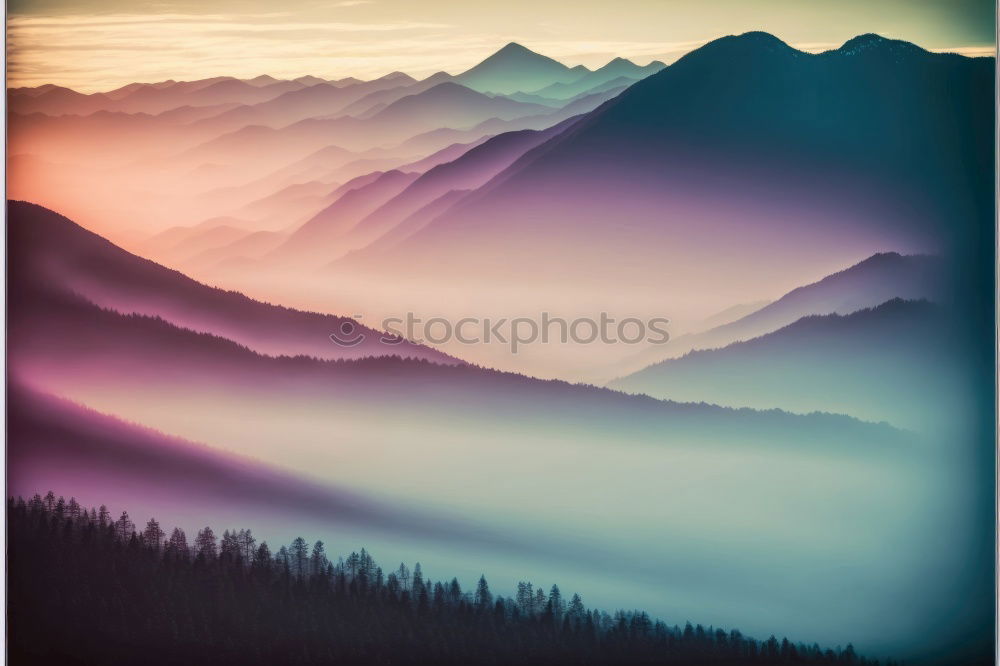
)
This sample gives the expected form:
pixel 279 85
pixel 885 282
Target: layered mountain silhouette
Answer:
pixel 150 98
pixel 734 175
pixel 515 68
pixel 897 362
pixel 64 278
pixel 316 240
pixel 618 69
pixel 318 100
pixel 775 155
pixel 449 104
pixel 53 258
pixel 880 278
pixel 352 224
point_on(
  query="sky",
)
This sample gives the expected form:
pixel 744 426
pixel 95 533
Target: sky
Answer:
pixel 93 45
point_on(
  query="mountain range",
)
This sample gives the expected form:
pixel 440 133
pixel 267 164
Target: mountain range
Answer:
pixel 760 120
pixel 896 362
pixel 817 227
pixel 869 283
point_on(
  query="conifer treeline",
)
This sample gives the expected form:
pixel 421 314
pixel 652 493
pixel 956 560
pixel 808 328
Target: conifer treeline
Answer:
pixel 85 588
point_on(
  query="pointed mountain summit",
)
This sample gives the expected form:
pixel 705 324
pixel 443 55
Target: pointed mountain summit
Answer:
pixel 781 155
pixel 515 68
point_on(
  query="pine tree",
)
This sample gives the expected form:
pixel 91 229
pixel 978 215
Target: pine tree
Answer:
pixel 73 509
pixel 247 546
pixel 403 574
pixel 230 548
pixel 205 545
pixel 177 546
pixel 152 536
pixel 124 527
pixel 299 554
pixel 557 604
pixel 526 599
pixel 262 557
pixel 576 610
pixel 483 597
pixel 540 601
pixel 318 561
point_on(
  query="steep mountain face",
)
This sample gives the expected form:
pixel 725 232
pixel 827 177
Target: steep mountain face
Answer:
pixel 467 172
pixel 775 158
pixel 515 68
pixel 899 362
pixel 52 259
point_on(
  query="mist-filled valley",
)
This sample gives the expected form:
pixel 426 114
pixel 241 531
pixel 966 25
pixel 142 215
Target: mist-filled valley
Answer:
pixel 809 452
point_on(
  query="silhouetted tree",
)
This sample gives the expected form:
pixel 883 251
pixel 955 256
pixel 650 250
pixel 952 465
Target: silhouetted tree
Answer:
pixel 177 545
pixel 483 597
pixel 205 544
pixel 556 603
pixel 153 535
pixel 299 554
pixel 247 545
pixel 124 527
pixel 73 509
pixel 114 603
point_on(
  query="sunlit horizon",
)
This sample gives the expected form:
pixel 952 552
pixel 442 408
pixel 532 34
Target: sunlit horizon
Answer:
pixel 103 45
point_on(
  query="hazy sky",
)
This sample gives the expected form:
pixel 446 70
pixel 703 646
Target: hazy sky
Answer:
pixel 101 44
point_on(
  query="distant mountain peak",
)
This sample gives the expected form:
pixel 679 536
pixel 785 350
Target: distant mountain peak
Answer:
pixel 449 88
pixel 872 43
pixel 515 68
pixel 438 76
pixel 396 75
pixel 511 48
pixel 514 54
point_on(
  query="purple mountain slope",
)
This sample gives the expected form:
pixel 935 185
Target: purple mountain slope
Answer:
pixel 55 443
pixel 752 154
pixel 316 240
pixel 48 253
pixel 469 171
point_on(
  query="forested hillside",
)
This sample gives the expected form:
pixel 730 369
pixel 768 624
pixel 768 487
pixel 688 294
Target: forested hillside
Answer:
pixel 89 589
